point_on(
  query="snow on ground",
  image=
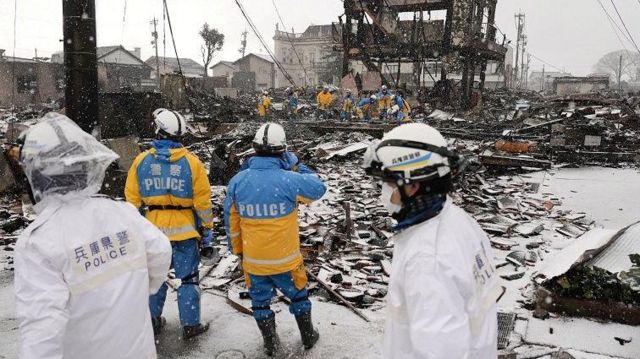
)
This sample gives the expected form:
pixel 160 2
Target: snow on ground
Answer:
pixel 235 335
pixel 608 195
pixel 599 192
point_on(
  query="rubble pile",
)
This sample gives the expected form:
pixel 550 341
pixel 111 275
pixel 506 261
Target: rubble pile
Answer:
pixel 14 218
pixel 526 130
pixel 346 236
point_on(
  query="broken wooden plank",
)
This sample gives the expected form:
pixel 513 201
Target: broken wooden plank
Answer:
pixel 344 301
pixel 233 299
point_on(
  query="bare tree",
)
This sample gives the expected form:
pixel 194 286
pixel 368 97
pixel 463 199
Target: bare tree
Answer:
pixel 213 41
pixel 619 64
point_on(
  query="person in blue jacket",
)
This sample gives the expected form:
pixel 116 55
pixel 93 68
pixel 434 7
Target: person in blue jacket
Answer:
pixel 367 107
pixel 261 220
pixel 170 185
pixel 347 106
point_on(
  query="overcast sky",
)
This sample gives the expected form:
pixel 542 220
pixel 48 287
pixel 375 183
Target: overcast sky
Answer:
pixel 571 34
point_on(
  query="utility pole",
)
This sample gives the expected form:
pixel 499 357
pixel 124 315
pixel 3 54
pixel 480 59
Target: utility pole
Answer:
pixel 243 43
pixel 522 61
pixel 155 45
pixel 542 80
pixel 520 17
pixel 526 73
pixel 620 76
pixel 80 62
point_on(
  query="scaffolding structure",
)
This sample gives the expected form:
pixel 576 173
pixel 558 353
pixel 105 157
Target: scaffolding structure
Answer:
pixel 374 32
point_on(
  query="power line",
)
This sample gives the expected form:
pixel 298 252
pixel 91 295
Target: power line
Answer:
pixel 264 44
pixel 290 41
pixel 124 21
pixel 175 49
pixel 625 26
pixel 611 20
pixel 614 25
pixel 545 62
pixel 164 39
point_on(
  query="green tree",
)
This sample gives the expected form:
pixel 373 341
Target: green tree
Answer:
pixel 330 65
pixel 213 41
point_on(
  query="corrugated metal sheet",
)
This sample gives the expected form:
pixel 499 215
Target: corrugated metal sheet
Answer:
pixel 616 258
pixel 505 327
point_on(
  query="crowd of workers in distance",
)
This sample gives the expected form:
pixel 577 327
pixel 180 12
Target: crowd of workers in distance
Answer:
pixel 91 271
pixel 382 105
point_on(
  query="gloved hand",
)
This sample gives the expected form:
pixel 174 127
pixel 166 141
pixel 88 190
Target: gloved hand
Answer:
pixel 289 161
pixel 206 246
pixel 393 110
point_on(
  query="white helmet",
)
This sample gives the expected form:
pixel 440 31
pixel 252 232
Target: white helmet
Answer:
pixel 265 92
pixel 169 123
pixel 409 153
pixel 59 158
pixel 374 97
pixel 270 139
pixel 384 87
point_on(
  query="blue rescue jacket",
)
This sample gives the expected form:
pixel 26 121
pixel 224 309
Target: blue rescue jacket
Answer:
pixel 261 213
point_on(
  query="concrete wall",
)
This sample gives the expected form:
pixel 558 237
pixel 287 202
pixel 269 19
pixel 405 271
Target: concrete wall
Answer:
pixel 113 77
pixel 311 52
pixel 575 87
pixel 46 76
pixel 263 69
pixel 223 71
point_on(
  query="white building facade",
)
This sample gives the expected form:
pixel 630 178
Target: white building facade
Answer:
pixel 314 47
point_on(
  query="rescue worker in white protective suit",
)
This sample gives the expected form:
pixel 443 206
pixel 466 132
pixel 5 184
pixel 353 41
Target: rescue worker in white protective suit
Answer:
pixel 85 267
pixel 443 289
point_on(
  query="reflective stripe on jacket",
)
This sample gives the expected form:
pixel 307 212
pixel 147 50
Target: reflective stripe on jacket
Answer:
pixel 261 214
pixel 347 104
pixel 171 177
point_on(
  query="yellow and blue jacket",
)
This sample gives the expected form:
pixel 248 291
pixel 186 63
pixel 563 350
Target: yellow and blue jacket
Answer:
pixel 324 99
pixel 172 184
pixel 264 104
pixel 261 213
pixel 348 103
pixel 384 100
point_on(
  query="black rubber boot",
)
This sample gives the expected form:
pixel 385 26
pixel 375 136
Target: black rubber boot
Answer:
pixel 269 335
pixel 309 335
pixel 158 324
pixel 195 330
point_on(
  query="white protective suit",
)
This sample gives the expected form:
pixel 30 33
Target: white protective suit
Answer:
pixel 84 270
pixel 443 291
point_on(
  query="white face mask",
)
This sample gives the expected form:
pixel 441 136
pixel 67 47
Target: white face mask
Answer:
pixel 385 197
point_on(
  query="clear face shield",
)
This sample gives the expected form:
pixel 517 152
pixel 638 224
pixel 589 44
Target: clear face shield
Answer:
pixel 59 158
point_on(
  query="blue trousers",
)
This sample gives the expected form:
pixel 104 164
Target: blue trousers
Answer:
pixel 291 284
pixel 185 259
pixel 345 116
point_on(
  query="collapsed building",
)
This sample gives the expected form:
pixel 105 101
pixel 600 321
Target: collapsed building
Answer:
pixel 464 42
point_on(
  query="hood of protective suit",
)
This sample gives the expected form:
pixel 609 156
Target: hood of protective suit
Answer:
pixel 60 159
